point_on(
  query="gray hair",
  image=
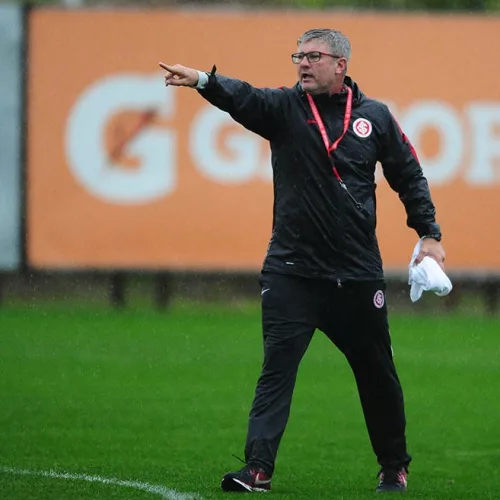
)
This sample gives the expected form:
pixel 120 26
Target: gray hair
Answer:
pixel 337 42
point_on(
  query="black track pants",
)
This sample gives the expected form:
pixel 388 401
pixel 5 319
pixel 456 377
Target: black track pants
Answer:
pixel 354 317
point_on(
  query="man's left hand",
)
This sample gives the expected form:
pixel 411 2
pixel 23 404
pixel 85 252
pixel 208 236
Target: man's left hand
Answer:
pixel 431 248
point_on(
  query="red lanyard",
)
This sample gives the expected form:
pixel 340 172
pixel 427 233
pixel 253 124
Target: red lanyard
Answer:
pixel 322 129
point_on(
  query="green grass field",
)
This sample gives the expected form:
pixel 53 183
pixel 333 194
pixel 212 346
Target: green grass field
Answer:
pixel 160 403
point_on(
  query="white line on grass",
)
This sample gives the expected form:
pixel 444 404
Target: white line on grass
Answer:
pixel 155 489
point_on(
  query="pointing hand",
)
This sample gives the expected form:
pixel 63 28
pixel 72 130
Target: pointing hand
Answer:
pixel 179 76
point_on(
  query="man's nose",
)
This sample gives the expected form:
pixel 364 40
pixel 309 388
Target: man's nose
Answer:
pixel 304 64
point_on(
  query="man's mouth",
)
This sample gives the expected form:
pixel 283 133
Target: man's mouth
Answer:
pixel 304 77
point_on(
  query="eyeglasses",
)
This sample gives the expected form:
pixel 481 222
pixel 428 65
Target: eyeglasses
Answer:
pixel 312 57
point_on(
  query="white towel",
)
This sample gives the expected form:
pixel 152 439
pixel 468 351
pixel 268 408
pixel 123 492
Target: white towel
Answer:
pixel 427 276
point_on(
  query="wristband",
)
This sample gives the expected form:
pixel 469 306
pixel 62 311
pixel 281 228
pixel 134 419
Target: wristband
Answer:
pixel 434 236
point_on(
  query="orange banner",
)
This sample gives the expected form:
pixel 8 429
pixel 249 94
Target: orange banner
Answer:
pixel 125 173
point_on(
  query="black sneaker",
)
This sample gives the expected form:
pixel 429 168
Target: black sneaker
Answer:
pixel 248 479
pixel 392 480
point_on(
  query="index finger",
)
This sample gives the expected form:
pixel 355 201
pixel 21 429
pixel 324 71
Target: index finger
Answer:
pixel 165 66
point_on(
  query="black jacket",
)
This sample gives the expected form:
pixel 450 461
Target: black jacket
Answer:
pixel 318 231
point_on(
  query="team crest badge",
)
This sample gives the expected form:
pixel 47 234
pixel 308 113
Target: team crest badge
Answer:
pixel 362 127
pixel 378 299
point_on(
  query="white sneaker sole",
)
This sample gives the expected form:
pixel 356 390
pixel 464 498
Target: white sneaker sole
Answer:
pixel 237 485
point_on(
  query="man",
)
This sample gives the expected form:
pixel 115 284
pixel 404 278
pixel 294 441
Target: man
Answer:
pixel 323 268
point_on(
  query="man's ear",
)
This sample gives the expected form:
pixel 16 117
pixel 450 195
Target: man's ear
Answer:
pixel 341 66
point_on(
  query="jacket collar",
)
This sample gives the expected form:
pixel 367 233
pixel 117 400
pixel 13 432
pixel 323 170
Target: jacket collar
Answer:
pixel 340 97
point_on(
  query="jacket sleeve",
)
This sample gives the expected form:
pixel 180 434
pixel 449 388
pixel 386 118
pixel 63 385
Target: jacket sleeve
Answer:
pixel 260 110
pixel 404 174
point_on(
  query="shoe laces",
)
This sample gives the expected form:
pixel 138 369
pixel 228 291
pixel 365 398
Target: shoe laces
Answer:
pixel 246 467
pixel 251 468
pixel 238 458
pixel 393 476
